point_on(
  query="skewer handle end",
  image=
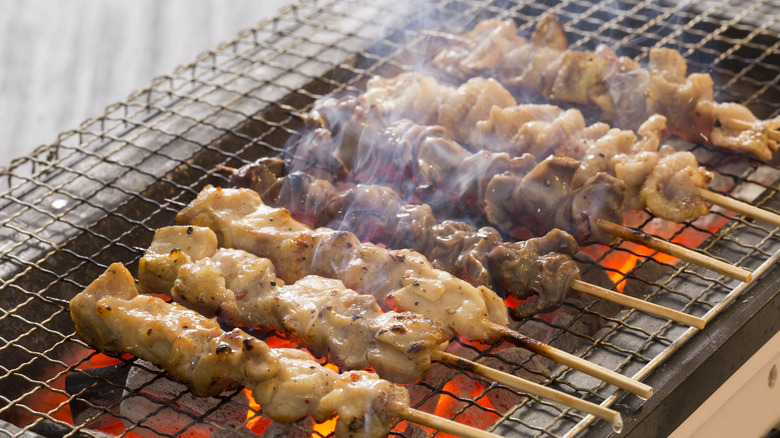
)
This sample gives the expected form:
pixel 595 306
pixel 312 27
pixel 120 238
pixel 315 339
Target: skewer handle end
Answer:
pixel 740 207
pixel 677 251
pixel 442 424
pixel 635 303
pixel 577 363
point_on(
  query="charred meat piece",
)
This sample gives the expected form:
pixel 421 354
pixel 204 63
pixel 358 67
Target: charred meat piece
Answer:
pixel 529 200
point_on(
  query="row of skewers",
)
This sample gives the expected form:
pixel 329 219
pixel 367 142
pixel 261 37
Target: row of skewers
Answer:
pixel 373 165
pixel 382 138
pixel 205 269
pixel 625 92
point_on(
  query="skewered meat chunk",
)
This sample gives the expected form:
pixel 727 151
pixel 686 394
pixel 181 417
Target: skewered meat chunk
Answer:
pixel 517 202
pixel 288 384
pixel 644 166
pixel 430 104
pixel 504 126
pixel 625 92
pixel 401 280
pixel 332 321
pixel 425 101
pixel 378 214
pixel 423 163
pixel 670 189
pixel 540 130
pixel 631 157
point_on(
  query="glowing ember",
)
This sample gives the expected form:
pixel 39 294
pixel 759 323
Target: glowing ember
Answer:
pixel 451 404
pixel 325 428
pixel 53 400
pixel 618 264
pixel 255 422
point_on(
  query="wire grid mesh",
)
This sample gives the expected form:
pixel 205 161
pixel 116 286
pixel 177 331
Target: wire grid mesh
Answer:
pixel 97 194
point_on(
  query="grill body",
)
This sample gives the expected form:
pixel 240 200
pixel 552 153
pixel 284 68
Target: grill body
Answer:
pixel 97 194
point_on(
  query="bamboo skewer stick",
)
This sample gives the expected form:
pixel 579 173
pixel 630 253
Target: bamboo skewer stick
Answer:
pixel 773 134
pixel 740 207
pixel 446 36
pixel 523 385
pixel 442 424
pixel 678 251
pixel 641 305
pixel 574 362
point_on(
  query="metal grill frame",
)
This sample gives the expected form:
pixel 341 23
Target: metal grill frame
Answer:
pixel 95 195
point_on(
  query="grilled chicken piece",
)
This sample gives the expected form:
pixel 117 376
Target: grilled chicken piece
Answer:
pixel 540 130
pixel 377 214
pixel 626 92
pixel 424 100
pixel 331 321
pixel 401 280
pixel 671 187
pixel 288 384
pixel 491 40
pixel 421 163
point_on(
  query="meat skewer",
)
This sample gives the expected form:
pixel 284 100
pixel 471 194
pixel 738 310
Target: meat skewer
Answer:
pixel 401 280
pixel 626 93
pixel 669 183
pixel 517 195
pixel 483 114
pixel 331 321
pixel 289 384
pixel 539 266
pixel 494 122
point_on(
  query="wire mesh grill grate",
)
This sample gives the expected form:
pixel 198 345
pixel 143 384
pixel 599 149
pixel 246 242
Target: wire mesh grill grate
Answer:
pixel 96 195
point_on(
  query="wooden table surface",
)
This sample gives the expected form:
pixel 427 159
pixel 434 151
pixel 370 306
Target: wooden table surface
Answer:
pixel 64 61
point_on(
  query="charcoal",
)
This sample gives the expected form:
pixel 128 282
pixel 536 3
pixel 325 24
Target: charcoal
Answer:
pixel 51 429
pixel 98 392
pixel 298 429
pixel 155 404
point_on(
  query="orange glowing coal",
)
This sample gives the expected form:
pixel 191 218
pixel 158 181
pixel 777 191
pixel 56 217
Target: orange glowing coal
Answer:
pixel 619 263
pixel 325 428
pixel 52 400
pixel 254 421
pixel 476 411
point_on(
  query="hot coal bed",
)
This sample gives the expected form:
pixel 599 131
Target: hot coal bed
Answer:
pixel 96 196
